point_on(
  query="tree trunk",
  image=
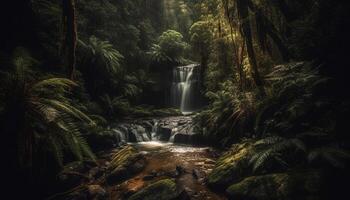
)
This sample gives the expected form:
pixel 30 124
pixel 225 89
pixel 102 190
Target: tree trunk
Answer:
pixel 238 58
pixel 271 31
pixel 69 41
pixel 245 25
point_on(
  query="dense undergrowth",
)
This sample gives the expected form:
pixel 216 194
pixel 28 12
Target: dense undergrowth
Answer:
pixel 273 74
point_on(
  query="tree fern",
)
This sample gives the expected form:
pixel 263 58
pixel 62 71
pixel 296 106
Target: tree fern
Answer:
pixel 274 148
pixel 103 54
pixel 46 116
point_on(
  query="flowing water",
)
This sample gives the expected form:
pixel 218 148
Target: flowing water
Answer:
pixel 184 89
pixel 163 157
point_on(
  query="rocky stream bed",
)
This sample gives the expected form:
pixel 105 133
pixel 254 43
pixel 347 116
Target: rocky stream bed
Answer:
pixel 143 159
pixel 161 159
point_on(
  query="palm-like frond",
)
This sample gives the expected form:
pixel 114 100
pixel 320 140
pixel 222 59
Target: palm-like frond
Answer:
pixel 102 53
pixel 273 148
pixel 158 55
pixel 230 112
pixel 292 95
pixel 50 120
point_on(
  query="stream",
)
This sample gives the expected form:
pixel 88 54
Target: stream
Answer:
pixel 169 145
pixel 163 158
pixel 171 150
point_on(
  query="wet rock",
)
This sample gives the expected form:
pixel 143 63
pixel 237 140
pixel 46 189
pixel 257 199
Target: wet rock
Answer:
pixel 195 173
pixel 90 192
pixel 182 138
pixel 148 125
pixel 174 173
pixel 96 172
pixel 96 192
pixel 123 128
pixel 103 140
pixel 148 177
pixel 291 186
pixel 182 122
pixel 125 163
pixel 180 169
pixel 160 190
pixel 132 135
pixel 164 133
pixel 188 138
pixel 232 166
pixel 75 173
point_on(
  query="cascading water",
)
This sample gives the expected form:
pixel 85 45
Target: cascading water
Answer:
pixel 184 90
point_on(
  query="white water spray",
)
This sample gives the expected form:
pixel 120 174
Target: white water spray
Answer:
pixel 183 86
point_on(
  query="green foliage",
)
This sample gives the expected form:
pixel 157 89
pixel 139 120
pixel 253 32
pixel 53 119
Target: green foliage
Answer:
pixel 274 150
pixel 169 48
pixel 292 100
pixel 101 65
pixel 102 55
pixel 229 115
pixel 114 106
pixel 201 36
pixel 47 121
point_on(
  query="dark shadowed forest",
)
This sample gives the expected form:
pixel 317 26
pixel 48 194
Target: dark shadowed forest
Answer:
pixel 175 99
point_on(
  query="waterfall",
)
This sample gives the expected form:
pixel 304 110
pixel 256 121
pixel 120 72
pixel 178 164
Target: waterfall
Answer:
pixel 184 88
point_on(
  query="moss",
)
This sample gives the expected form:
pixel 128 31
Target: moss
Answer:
pixel 292 185
pixel 166 112
pixel 161 190
pixel 232 166
pixel 123 157
pixel 125 163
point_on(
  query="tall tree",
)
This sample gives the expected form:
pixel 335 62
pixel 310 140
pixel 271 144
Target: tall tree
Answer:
pixel 70 35
pixel 201 39
pixel 243 14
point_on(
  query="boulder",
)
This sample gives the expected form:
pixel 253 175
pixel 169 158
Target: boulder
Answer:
pixel 182 138
pixel 160 190
pixel 233 166
pixel 75 173
pixel 189 138
pixel 125 163
pixel 292 186
pixel 96 192
pixel 91 192
pixel 147 125
pixel 164 133
pixel 132 135
pixel 103 140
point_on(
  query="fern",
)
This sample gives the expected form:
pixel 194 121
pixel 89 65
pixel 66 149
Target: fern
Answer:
pixel 157 55
pixel 103 53
pixel 333 156
pixel 291 99
pixel 50 120
pixel 274 148
pixel 230 112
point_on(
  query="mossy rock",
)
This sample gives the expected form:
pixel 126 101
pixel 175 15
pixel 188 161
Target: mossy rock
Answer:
pixel 73 173
pixel 103 140
pixel 289 186
pixel 166 112
pixel 125 163
pixel 160 190
pixel 233 166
